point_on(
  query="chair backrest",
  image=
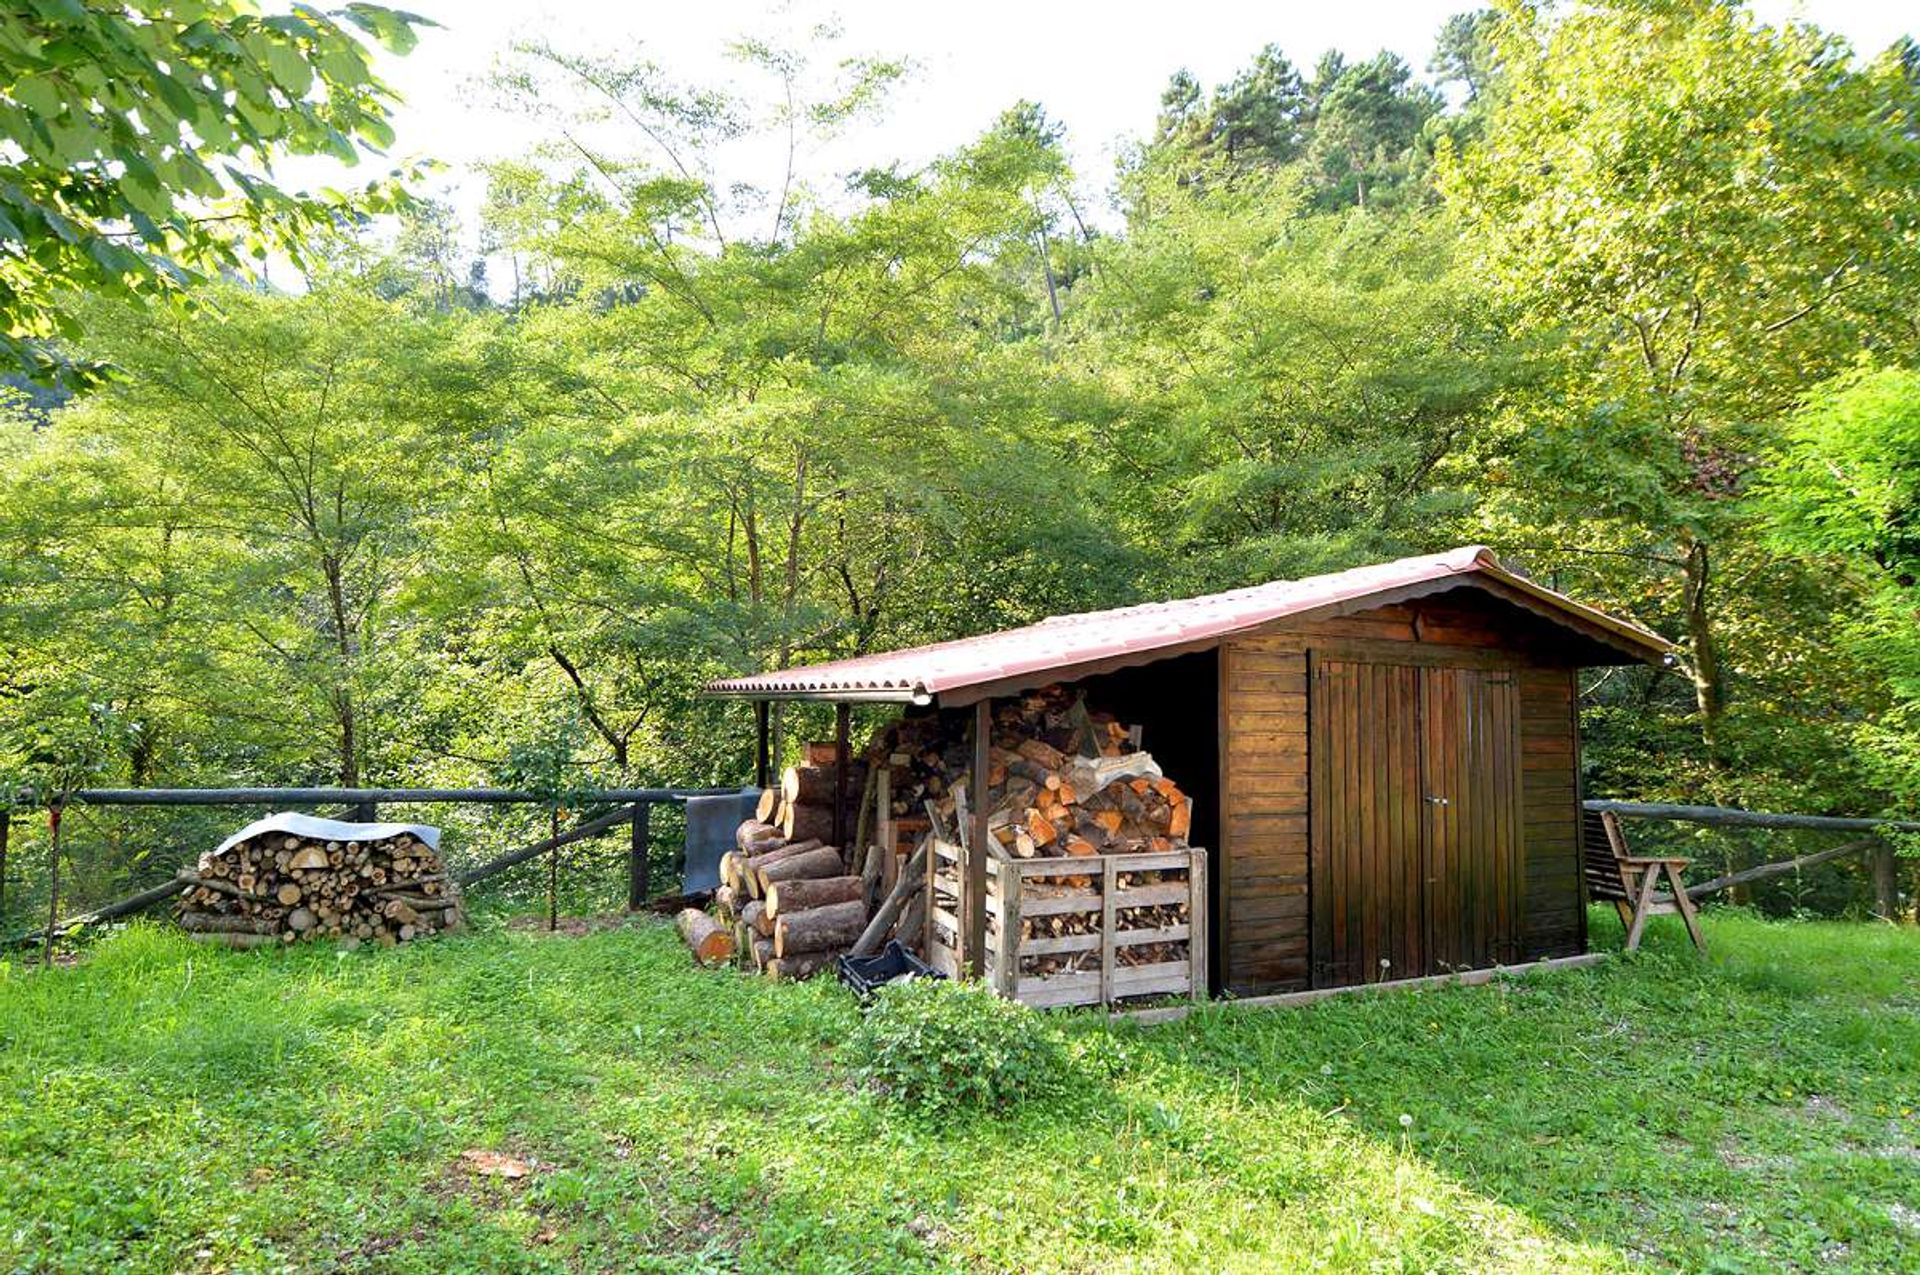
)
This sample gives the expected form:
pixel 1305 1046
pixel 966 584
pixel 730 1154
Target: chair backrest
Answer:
pixel 1606 879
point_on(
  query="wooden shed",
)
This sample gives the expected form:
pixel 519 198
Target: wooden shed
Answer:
pixel 1384 762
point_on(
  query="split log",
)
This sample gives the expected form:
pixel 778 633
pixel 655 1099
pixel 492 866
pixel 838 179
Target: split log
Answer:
pixel 799 895
pixel 710 941
pixel 833 927
pixel 790 969
pixel 821 862
pixel 911 884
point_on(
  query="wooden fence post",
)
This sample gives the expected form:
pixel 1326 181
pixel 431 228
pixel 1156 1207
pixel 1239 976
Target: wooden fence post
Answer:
pixel 553 876
pixel 1886 885
pixel 637 855
pixel 763 748
pixel 53 880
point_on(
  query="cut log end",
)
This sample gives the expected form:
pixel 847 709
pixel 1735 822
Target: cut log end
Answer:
pixel 710 942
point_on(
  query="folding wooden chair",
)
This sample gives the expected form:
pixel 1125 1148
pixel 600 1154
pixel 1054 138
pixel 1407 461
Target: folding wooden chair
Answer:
pixel 1629 881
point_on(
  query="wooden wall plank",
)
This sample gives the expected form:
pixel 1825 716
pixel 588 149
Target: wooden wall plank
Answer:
pixel 1264 786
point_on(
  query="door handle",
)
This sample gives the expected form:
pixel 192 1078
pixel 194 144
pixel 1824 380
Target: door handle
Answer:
pixel 1436 801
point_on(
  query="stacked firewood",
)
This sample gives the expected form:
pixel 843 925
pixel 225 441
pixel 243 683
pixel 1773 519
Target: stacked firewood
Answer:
pixel 788 906
pixel 1062 780
pixel 1061 924
pixel 278 888
pixel 801 806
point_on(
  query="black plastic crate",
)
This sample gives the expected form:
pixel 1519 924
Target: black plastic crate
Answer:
pixel 868 974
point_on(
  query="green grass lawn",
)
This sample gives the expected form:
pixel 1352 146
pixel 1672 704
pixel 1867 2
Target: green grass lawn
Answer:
pixel 167 1107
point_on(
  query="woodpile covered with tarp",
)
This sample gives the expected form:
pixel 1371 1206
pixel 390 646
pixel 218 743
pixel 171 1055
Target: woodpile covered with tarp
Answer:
pixel 293 877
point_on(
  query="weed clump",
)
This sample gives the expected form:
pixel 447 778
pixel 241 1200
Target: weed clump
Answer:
pixel 938 1047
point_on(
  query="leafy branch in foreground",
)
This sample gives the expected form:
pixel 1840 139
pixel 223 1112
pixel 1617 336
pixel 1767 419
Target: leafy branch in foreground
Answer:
pixel 141 140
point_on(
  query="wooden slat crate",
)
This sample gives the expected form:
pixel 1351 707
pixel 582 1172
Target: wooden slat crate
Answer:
pixel 1094 889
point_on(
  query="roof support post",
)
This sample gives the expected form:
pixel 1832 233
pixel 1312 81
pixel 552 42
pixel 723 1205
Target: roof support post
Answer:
pixel 841 715
pixel 763 752
pixel 978 809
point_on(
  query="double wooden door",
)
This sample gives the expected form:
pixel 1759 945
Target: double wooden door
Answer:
pixel 1414 793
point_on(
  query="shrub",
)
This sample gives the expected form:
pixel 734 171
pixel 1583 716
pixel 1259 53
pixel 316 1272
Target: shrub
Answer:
pixel 938 1047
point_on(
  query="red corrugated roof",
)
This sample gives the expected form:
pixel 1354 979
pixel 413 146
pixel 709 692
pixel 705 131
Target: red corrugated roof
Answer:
pixel 1059 645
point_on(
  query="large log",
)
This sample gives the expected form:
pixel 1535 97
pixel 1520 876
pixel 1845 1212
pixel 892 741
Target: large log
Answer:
pixel 804 822
pixel 799 895
pixel 833 927
pixel 754 917
pixel 710 941
pixel 221 923
pixel 737 866
pixel 812 784
pixel 788 969
pixel 821 862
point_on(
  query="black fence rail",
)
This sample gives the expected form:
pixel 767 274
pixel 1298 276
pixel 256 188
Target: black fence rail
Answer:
pixel 122 848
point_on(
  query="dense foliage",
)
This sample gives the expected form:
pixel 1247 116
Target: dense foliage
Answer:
pixel 437 513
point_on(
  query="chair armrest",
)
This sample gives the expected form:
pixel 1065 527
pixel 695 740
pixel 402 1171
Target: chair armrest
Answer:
pixel 1642 861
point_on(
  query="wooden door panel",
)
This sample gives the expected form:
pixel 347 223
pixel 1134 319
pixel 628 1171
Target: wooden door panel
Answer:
pixel 1365 869
pixel 1472 812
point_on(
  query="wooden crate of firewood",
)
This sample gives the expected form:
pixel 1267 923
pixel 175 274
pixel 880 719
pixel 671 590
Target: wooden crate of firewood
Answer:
pixel 1088 930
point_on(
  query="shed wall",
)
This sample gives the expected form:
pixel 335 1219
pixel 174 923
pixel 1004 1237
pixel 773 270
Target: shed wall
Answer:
pixel 1265 840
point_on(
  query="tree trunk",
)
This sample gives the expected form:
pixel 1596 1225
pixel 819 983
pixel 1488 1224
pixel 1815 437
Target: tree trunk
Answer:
pixel 1704 664
pixel 711 942
pixel 830 928
pixel 786 969
pixel 821 862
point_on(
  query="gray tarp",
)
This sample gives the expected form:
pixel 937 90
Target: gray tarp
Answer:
pixel 317 829
pixel 711 822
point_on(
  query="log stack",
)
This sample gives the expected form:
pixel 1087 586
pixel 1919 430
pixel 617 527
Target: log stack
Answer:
pixel 800 806
pixel 1062 779
pixel 277 887
pixel 791 906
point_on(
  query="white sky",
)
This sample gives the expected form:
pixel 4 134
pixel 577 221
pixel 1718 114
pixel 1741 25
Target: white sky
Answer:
pixel 1096 67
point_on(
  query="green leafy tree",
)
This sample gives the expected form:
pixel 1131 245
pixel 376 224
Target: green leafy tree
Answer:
pixel 1366 144
pixel 1284 391
pixel 141 138
pixel 1714 211
pixel 224 534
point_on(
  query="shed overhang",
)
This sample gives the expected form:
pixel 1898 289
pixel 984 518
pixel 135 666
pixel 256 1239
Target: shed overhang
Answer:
pixel 1067 647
